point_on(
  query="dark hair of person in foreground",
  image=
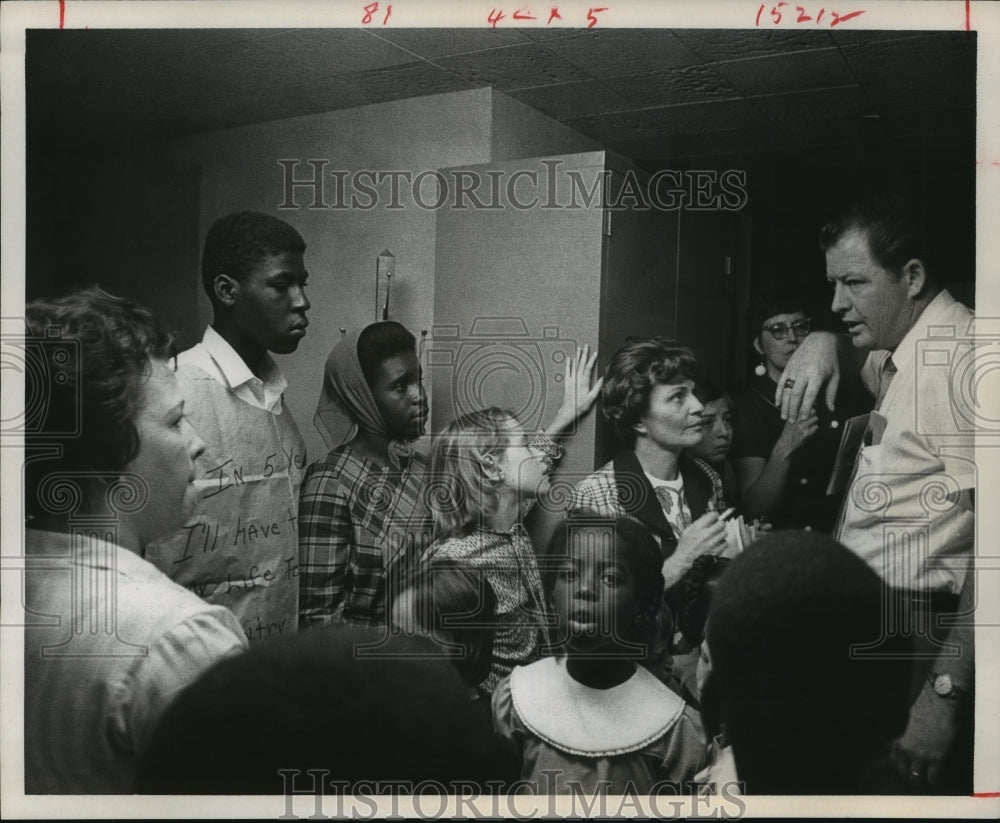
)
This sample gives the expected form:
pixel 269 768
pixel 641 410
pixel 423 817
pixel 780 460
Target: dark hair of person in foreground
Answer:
pixel 805 684
pixel 319 701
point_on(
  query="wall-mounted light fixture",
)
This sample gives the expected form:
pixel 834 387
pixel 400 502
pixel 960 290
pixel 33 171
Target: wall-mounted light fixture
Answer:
pixel 385 270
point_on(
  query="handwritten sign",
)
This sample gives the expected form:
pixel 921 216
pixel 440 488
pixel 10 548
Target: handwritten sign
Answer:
pixel 239 549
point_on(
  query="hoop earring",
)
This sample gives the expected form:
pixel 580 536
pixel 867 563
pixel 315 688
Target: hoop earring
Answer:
pixel 760 369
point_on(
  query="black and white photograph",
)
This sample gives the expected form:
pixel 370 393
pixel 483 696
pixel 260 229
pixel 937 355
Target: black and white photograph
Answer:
pixel 438 409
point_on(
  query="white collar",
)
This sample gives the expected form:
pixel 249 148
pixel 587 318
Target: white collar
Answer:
pixel 590 722
pixel 234 370
pixel 935 312
pixel 676 484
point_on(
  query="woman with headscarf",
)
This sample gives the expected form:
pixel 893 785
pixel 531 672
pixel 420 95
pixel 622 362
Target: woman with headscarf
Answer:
pixel 360 509
pixel 363 519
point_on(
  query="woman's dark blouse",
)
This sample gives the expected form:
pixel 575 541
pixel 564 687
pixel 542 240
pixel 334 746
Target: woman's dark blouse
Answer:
pixel 757 425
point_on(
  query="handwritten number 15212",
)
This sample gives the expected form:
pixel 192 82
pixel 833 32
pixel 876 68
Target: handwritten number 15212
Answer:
pixel 801 16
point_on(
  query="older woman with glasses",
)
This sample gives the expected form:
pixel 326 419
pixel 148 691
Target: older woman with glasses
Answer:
pixel 783 467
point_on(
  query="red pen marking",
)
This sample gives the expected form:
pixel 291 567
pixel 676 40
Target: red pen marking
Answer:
pixel 524 14
pixel 592 18
pixel 803 17
pixel 986 794
pixel 820 15
pixel 370 9
pixel 841 18
pixel 495 17
pixel 968 11
pixel 388 11
pixel 759 12
pixel 62 12
pixel 554 14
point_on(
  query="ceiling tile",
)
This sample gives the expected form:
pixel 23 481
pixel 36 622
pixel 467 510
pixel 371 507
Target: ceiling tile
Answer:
pixel 804 107
pixel 513 67
pixel 411 80
pixel 861 37
pixel 924 94
pixel 612 52
pixel 547 33
pixel 621 87
pixel 616 126
pixel 568 100
pixel 328 52
pixel 175 48
pixel 290 101
pixel 443 42
pixel 733 44
pixel 775 74
pixel 924 56
pixel 698 118
pixel 680 85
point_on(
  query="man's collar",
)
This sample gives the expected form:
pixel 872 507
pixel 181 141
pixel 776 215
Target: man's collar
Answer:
pixel 232 366
pixel 906 351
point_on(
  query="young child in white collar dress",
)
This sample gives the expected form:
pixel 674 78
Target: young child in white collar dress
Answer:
pixel 592 718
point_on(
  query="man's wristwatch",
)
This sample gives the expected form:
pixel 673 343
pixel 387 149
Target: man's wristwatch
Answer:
pixel 947 688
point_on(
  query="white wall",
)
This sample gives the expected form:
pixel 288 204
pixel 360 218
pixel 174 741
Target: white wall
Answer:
pixel 239 170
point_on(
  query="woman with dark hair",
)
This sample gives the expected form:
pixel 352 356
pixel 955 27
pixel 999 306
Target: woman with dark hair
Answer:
pixel 110 468
pixel 648 397
pixel 360 510
pixel 783 467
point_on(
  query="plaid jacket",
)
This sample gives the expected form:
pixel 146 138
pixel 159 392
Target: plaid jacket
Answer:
pixel 621 488
pixel 357 520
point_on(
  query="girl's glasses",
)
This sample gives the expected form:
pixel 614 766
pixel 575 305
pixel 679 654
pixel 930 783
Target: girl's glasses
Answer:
pixel 779 331
pixel 542 444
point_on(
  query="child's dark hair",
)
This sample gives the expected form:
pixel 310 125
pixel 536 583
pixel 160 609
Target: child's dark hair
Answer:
pixel 380 341
pixel 452 603
pixel 394 713
pixel 707 392
pixel 696 597
pixel 237 242
pixel 804 710
pixel 633 544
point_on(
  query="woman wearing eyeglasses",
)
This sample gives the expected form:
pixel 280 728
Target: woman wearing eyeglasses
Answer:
pixel 783 467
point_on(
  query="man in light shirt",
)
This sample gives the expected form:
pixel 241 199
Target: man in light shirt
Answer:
pixel 909 509
pixel 240 547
